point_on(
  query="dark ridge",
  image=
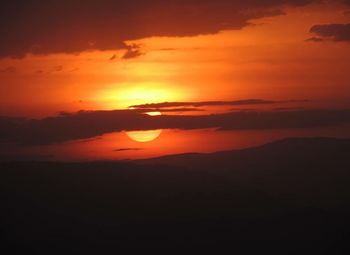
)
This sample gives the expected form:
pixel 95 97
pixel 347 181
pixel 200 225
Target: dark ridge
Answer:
pixel 303 143
pixel 294 191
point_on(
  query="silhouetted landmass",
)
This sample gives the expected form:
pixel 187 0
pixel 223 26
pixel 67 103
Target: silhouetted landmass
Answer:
pixel 85 124
pixel 294 190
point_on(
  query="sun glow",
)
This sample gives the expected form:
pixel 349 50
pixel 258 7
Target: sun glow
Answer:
pixel 145 136
pixel 127 95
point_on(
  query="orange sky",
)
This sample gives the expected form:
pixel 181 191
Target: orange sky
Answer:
pixel 269 59
pixel 269 70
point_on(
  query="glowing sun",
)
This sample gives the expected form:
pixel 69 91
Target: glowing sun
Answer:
pixel 145 136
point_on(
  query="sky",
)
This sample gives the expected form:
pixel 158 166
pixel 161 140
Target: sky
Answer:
pixel 169 72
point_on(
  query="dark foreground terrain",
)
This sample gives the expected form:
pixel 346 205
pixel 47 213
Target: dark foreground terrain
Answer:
pixel 293 191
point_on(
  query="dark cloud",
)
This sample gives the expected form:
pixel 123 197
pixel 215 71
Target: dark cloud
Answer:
pixel 58 68
pixel 205 103
pixel 113 57
pixel 18 156
pixel 73 26
pixel 315 39
pixel 74 70
pixel 88 140
pixel 88 124
pixel 8 70
pixel 164 110
pixel 133 51
pixel 289 108
pixel 55 69
pixel 127 149
pixel 168 49
pixel 241 110
pixel 335 32
pixel 39 72
pixel 175 49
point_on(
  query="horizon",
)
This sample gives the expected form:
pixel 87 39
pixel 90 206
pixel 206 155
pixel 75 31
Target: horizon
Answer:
pixel 49 159
pixel 200 74
pixel 177 123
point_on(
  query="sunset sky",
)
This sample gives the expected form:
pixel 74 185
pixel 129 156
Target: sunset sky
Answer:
pixel 75 75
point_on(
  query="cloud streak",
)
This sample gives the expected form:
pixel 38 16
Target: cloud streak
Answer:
pixel 204 103
pixel 333 32
pixel 133 51
pixel 9 70
pixel 127 149
pixel 88 124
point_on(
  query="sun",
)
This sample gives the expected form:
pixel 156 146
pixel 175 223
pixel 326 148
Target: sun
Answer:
pixel 147 135
pixel 146 93
pixel 144 136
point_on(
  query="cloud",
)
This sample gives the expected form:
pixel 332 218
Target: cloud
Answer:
pixel 128 149
pixel 315 39
pixel 164 110
pixel 113 57
pixel 88 124
pixel 73 26
pixel 168 49
pixel 74 70
pixel 241 110
pixel 288 108
pixel 55 69
pixel 58 68
pixel 39 72
pixel 334 32
pixel 19 156
pixel 9 70
pixel 133 51
pixel 205 103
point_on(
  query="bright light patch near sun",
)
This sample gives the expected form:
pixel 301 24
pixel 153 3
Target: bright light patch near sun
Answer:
pixel 144 136
pixel 143 94
pixel 153 113
pixel 126 95
pixel 124 98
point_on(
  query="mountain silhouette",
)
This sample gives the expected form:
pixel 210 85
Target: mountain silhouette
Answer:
pixel 292 190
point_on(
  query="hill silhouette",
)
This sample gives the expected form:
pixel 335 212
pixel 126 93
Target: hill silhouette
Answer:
pixel 292 190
